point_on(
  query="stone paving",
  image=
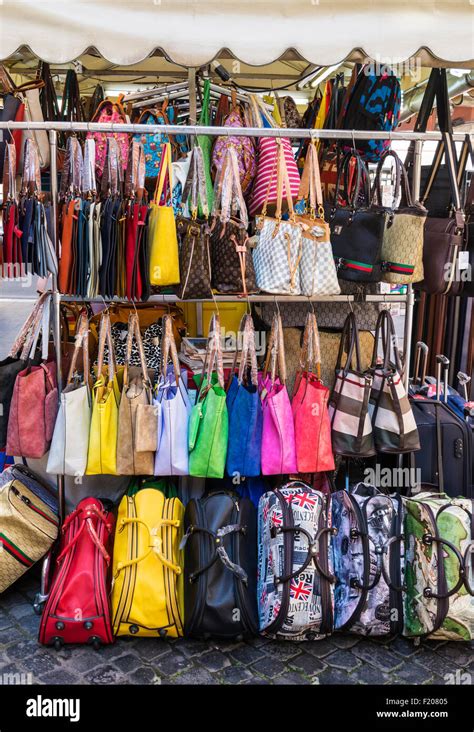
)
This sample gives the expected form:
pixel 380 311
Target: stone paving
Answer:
pixel 342 659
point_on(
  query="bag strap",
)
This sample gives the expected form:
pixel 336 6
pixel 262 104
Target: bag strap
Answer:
pixel 195 184
pixel 89 183
pixel 401 180
pixel 165 176
pixel 73 168
pixel 276 352
pixel 112 176
pixel 82 340
pixel 350 333
pixel 9 173
pixel 24 341
pixel 310 185
pixel 228 190
pixel 213 357
pixel 248 354
pixel 310 353
pixel 31 176
pixel 135 175
pixel 169 346
pixel 134 333
pixel 105 334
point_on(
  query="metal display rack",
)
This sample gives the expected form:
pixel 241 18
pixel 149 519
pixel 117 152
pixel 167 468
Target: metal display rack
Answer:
pixel 349 135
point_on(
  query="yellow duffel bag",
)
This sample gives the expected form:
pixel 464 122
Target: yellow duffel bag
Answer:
pixel 147 588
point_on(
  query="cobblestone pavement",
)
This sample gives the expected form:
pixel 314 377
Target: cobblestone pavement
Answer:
pixel 342 659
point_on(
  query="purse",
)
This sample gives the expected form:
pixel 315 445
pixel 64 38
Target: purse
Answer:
pixel 173 408
pixel 278 252
pixel 351 426
pixel 244 148
pixel 392 418
pixel 245 409
pixel 208 423
pixel 154 143
pixel 102 454
pixel 162 237
pixel 265 187
pixel 231 260
pixel 110 112
pixel 310 407
pixel 356 230
pixel 70 442
pixel 137 423
pixel 318 274
pixel 193 236
pixel 402 247
pixel 278 432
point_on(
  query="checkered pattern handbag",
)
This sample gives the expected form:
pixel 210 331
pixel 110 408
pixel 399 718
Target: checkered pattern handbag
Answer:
pixel 394 425
pixel 352 433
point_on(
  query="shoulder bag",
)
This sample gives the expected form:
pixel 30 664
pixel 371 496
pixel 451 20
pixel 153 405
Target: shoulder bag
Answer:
pixel 162 237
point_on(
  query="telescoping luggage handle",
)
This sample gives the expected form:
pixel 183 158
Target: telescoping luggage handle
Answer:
pixel 421 362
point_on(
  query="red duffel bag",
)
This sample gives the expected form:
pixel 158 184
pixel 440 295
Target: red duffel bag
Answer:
pixel 77 609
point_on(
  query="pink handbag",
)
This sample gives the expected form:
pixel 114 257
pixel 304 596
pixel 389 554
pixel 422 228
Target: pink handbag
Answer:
pixel 33 411
pixel 265 186
pixel 109 112
pixel 278 433
pixel 244 147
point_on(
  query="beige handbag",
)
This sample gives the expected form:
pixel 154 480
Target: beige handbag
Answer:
pixel 137 423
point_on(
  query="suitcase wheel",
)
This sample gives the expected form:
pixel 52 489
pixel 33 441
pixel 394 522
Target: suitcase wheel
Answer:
pixel 58 643
pixel 95 642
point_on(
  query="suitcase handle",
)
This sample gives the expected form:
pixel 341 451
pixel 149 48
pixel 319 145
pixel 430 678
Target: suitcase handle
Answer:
pixel 152 546
pixel 428 539
pixel 312 555
pixel 467 584
pixel 385 572
pixel 365 537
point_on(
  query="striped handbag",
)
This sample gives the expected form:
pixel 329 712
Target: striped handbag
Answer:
pixel 393 422
pixel 352 434
pixel 265 186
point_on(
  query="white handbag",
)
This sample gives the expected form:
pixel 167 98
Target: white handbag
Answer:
pixel 279 246
pixel 34 113
pixel 70 443
pixel 173 411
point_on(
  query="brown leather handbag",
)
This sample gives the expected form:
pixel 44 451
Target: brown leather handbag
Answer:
pixel 231 259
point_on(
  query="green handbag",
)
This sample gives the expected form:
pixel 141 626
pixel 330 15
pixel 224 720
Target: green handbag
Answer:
pixel 208 424
pixel 205 143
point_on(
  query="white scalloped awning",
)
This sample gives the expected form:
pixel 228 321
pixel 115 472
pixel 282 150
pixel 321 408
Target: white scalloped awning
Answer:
pixel 193 32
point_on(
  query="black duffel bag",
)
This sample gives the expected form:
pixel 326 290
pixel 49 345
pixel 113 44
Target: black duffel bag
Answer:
pixel 220 567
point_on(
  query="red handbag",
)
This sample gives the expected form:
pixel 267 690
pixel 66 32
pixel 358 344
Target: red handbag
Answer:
pixel 310 407
pixel 78 608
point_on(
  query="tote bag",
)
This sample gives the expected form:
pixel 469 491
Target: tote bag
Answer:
pixel 162 236
pixel 265 185
pixel 173 409
pixel 208 424
pixel 102 455
pixel 70 443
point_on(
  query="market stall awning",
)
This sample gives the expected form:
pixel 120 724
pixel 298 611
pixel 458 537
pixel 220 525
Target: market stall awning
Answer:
pixel 193 32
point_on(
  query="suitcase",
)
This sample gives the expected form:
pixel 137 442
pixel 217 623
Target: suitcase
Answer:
pixel 77 609
pixel 29 522
pixel 295 579
pixel 147 594
pixel 220 567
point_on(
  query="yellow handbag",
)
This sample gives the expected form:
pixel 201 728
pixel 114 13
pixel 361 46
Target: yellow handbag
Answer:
pixel 102 455
pixel 162 237
pixel 147 570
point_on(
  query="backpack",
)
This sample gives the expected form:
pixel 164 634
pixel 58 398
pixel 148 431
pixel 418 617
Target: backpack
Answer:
pixel 439 599
pixel 111 113
pixel 295 580
pixel 372 103
pixel 367 550
pixel 77 609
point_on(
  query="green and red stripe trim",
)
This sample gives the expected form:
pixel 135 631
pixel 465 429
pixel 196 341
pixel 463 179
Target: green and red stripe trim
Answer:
pixel 400 268
pixel 354 264
pixel 15 551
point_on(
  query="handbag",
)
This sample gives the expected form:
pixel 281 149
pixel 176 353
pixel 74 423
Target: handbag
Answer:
pixel 110 112
pixel 402 247
pixel 137 424
pixel 102 453
pixel 173 409
pixel 245 409
pixel 351 425
pixel 357 227
pixel 155 143
pixel 310 407
pixel 205 145
pixel 208 423
pixel 278 432
pixel 147 591
pixel 278 252
pixel 162 236
pixel 265 187
pixel 193 236
pixel 244 148
pixel 34 401
pixel 330 342
pixel 70 442
pixel 231 260
pixel 445 238
pixel 318 274
pixel 22 354
pixel 392 418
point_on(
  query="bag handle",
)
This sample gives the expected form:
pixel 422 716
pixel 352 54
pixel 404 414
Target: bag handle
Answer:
pixel 73 168
pixel 350 332
pixel 401 179
pixel 9 173
pixel 310 354
pixel 31 176
pixel 154 543
pixel 195 184
pixel 135 175
pixel 310 185
pixel 362 178
pixel 89 183
pixel 276 352
pixel 248 355
pixel 386 329
pixel 105 334
pixel 134 332
pixel 213 356
pixel 82 340
pixel 23 342
pixel 445 149
pixel 228 190
pixel 165 176
pixel 169 345
pixel 112 176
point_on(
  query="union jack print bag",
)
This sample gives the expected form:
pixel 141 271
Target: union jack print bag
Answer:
pixel 295 579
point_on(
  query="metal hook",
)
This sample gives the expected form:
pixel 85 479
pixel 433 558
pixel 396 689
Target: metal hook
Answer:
pixel 349 301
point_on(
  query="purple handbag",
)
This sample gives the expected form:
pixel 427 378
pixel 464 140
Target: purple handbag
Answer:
pixel 278 434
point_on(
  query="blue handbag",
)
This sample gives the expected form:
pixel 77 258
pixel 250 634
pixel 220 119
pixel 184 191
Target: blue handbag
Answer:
pixel 244 408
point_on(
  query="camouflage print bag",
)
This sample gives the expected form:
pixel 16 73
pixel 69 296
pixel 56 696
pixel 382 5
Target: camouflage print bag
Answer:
pixel 439 600
pixel 367 550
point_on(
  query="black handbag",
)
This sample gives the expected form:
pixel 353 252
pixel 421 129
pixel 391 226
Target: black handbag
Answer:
pixel 357 227
pixel 220 567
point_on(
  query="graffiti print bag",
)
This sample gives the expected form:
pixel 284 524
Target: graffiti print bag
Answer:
pixel 367 550
pixel 439 576
pixel 295 580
